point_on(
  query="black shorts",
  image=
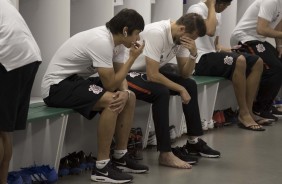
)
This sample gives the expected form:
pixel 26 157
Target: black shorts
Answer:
pixel 15 92
pixel 76 93
pixel 222 64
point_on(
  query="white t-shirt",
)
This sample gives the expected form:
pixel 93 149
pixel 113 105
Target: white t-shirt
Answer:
pixel 205 44
pixel 82 54
pixel 245 30
pixel 159 45
pixel 17 45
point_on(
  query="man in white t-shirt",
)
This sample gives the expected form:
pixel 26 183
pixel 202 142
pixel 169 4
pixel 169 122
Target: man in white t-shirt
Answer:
pixel 19 61
pixel 244 70
pixel 166 40
pixel 260 21
pixel 67 83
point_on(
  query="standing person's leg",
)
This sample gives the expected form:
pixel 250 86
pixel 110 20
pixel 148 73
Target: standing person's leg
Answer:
pixel 6 145
pixel 194 144
pixel 159 96
pixel 271 78
pixel 15 99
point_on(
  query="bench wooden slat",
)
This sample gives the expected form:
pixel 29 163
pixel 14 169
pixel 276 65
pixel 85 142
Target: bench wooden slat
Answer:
pixel 201 80
pixel 39 111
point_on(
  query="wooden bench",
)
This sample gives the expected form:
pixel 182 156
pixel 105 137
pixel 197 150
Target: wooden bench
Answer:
pixel 207 93
pixel 42 141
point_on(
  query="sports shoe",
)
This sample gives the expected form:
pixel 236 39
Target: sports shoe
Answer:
pixel 127 164
pixel 210 124
pixel 15 178
pixel 41 174
pixel 110 174
pixel 266 115
pixel 276 112
pixel 204 124
pixel 202 149
pixel 181 153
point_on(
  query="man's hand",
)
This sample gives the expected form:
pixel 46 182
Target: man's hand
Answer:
pixel 185 97
pixel 189 44
pixel 119 100
pixel 136 49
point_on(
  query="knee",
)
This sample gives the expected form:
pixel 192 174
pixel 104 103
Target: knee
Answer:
pixel 259 65
pixel 241 63
pixel 132 99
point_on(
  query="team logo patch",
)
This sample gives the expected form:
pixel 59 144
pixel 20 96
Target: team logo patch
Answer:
pixel 95 89
pixel 134 74
pixel 228 60
pixel 260 48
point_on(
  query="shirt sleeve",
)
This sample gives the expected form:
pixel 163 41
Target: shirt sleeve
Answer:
pixel 154 43
pixel 267 9
pixel 101 53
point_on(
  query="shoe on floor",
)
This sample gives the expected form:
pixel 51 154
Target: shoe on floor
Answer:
pixel 110 174
pixel 266 115
pixel 276 112
pixel 202 149
pixel 182 154
pixel 127 164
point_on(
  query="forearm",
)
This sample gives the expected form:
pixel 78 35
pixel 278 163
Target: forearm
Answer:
pixel 188 68
pixel 121 74
pixel 123 85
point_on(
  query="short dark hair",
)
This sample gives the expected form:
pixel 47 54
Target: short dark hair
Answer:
pixel 126 18
pixel 193 22
pixel 223 1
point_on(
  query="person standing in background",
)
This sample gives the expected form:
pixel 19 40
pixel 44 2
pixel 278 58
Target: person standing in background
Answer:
pixel 19 61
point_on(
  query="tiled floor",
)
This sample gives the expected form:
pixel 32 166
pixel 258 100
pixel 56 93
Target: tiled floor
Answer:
pixel 248 157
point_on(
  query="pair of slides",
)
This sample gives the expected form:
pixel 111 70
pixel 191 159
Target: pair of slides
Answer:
pixel 259 120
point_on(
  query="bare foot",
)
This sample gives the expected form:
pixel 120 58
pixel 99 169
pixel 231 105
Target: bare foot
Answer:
pixel 248 121
pixel 170 160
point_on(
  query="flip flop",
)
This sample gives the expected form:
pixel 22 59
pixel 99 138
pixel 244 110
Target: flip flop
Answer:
pixel 262 121
pixel 251 127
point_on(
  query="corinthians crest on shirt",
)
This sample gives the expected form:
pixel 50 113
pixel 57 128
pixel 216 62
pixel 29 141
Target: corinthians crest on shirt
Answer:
pixel 95 89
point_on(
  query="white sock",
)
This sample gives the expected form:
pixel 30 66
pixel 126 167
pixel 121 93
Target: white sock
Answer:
pixel 193 141
pixel 102 163
pixel 119 153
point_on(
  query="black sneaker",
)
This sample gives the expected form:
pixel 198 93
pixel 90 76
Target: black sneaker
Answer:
pixel 266 115
pixel 110 174
pixel 127 164
pixel 182 153
pixel 202 149
pixel 276 112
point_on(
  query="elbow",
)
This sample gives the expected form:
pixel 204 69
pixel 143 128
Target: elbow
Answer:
pixel 260 31
pixel 210 33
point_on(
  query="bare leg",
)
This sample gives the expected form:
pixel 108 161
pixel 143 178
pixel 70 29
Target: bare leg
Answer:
pixel 5 155
pixel 124 123
pixel 106 126
pixel 170 160
pixel 239 84
pixel 253 83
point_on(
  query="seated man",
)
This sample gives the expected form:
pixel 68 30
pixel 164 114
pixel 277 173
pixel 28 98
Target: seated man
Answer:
pixel 261 20
pixel 67 83
pixel 244 70
pixel 165 40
